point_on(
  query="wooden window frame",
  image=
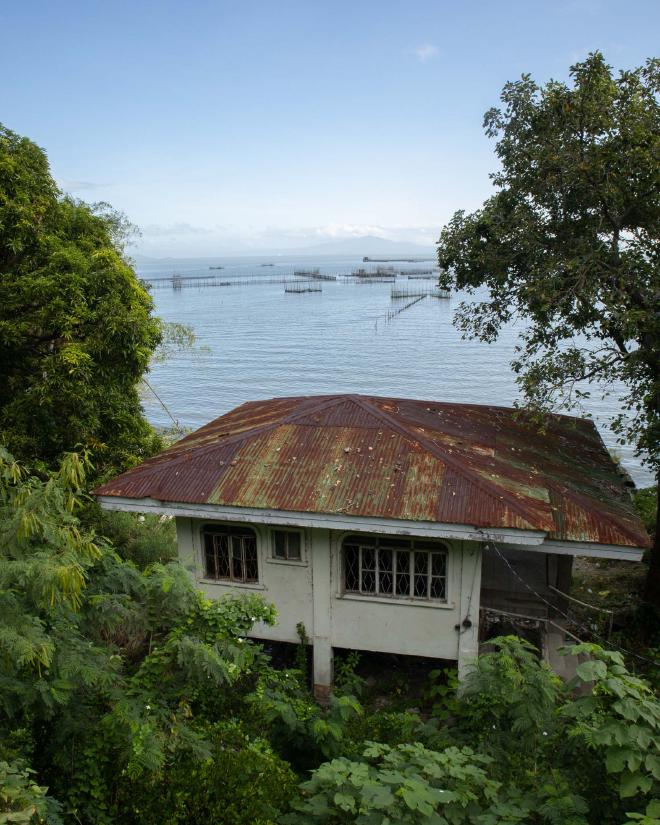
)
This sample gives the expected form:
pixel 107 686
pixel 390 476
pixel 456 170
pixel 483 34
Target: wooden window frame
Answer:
pixel 300 559
pixel 237 562
pixel 389 580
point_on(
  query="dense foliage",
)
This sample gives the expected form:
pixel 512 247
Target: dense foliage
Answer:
pixel 511 754
pixel 125 696
pixel 76 327
pixel 569 244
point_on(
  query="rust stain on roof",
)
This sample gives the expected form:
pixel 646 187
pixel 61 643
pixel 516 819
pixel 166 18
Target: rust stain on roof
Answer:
pixel 401 459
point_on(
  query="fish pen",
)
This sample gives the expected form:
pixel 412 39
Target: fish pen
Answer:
pixel 392 314
pixel 297 288
pixel 216 267
pixel 416 260
pixel 374 279
pixel 319 277
pixel 379 272
pixel 411 273
pixel 438 292
pixel 178 282
pixel 417 292
pixel 307 273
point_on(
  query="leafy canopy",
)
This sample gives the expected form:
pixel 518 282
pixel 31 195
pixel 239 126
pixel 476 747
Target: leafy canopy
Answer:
pixel 569 242
pixel 76 326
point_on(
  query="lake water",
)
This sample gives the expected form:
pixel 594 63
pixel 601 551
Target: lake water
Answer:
pixel 263 342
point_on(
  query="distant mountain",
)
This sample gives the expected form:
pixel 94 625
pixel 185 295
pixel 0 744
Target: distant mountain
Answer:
pixel 364 245
pixel 369 245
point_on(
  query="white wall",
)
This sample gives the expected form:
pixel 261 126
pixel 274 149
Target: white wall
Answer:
pixel 310 592
pixel 287 584
pixel 399 626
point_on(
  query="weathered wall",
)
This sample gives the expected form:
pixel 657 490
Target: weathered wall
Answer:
pixel 288 584
pixel 310 592
pixel 401 626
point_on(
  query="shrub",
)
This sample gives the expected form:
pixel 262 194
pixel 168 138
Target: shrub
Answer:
pixel 510 692
pixel 242 782
pixel 388 727
pixel 22 801
pixel 140 539
pixel 410 784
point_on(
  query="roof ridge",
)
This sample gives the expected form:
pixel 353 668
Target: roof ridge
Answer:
pixel 439 452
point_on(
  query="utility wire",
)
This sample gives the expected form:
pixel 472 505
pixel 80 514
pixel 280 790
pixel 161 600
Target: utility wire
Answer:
pixel 491 545
pixel 162 404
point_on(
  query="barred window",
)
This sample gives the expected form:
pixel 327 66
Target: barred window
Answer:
pixel 400 568
pixel 286 545
pixel 230 554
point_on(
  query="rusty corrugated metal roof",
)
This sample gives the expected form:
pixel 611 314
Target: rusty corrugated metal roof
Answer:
pixel 401 459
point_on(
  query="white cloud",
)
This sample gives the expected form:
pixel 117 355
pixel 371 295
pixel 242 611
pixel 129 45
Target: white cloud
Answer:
pixel 156 230
pixel 426 52
pixel 348 230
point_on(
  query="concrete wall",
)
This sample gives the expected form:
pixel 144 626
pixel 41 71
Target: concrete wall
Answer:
pixel 288 584
pixel 415 628
pixel 310 591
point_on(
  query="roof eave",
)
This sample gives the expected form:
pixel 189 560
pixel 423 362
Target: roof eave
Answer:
pixel 587 548
pixel 333 521
pixel 534 540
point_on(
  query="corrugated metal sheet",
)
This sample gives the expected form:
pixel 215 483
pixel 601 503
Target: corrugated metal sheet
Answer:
pixel 402 459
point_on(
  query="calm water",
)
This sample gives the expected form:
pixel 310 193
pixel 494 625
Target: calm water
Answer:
pixel 263 342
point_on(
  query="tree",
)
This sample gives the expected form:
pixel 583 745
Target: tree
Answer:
pixel 119 684
pixel 569 244
pixel 76 326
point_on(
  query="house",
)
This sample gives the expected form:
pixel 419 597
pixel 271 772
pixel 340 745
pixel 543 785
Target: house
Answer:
pixel 387 524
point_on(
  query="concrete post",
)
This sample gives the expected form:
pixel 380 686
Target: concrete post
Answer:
pixel 322 601
pixel 468 619
pixel 185 545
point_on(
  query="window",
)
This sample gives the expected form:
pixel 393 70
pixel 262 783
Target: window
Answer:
pixel 400 568
pixel 230 554
pixel 286 545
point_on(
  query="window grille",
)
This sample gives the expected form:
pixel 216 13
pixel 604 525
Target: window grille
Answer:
pixel 405 569
pixel 286 545
pixel 230 554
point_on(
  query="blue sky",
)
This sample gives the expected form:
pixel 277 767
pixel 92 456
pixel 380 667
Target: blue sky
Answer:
pixel 236 126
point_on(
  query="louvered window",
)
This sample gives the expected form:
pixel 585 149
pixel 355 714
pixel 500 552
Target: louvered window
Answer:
pixel 396 568
pixel 230 554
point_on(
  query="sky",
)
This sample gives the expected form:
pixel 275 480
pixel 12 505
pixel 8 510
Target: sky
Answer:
pixel 236 127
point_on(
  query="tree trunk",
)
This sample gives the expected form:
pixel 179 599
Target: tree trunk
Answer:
pixel 652 587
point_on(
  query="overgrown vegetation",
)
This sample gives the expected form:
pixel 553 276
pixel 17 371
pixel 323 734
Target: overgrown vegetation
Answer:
pixel 127 697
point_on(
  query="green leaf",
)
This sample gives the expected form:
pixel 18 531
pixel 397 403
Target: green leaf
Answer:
pixel 633 783
pixel 345 802
pixel 591 670
pixel 652 763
